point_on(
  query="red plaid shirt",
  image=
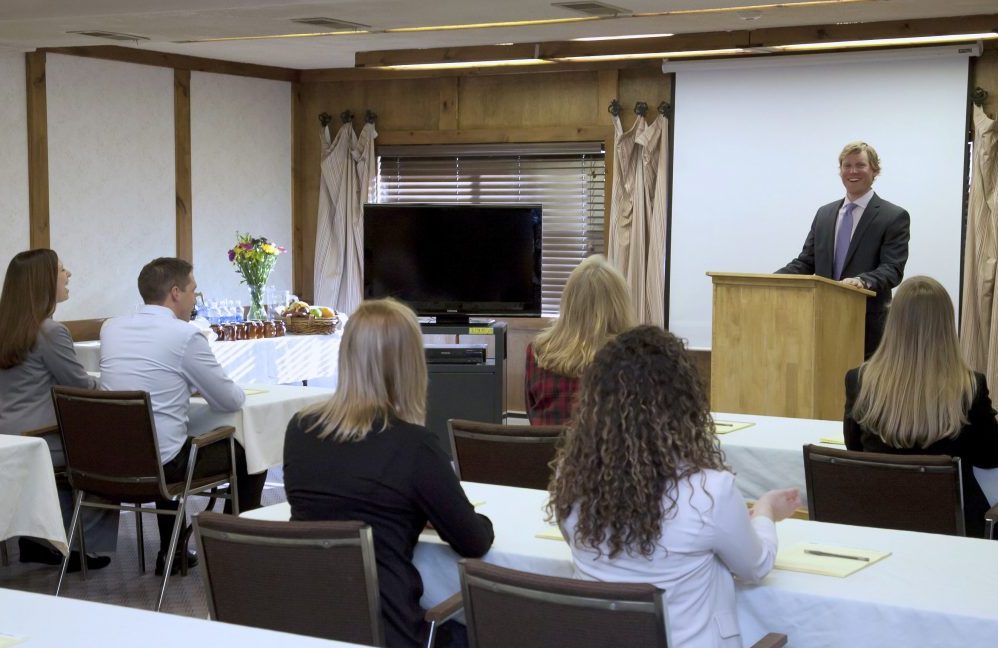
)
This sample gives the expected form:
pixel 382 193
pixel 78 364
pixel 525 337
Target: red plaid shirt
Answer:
pixel 550 396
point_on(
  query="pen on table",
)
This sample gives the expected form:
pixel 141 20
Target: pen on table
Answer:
pixel 718 424
pixel 829 554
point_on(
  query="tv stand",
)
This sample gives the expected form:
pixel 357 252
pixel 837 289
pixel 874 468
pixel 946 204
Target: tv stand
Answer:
pixel 466 391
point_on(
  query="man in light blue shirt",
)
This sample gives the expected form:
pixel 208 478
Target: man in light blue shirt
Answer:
pixel 157 350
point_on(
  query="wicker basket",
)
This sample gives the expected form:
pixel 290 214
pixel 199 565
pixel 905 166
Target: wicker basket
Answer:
pixel 311 325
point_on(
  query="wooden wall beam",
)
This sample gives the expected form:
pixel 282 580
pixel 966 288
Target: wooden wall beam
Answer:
pixel 177 61
pixel 449 107
pixel 38 151
pixel 299 183
pixel 182 163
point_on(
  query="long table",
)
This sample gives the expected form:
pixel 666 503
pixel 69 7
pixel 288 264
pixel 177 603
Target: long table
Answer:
pixel 282 360
pixel 29 503
pixel 769 454
pixel 933 590
pixel 262 421
pixel 41 621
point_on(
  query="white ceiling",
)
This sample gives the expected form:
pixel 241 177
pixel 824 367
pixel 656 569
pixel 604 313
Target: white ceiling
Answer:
pixel 29 24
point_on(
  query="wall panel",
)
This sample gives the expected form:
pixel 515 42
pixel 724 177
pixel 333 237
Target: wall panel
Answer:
pixel 111 177
pixel 14 161
pixel 240 175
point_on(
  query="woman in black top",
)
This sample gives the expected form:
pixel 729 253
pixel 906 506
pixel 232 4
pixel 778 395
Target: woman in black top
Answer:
pixel 365 455
pixel 916 394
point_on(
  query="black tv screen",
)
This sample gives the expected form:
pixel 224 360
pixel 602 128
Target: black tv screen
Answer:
pixel 454 259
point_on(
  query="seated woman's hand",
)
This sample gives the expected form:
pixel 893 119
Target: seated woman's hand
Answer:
pixel 777 504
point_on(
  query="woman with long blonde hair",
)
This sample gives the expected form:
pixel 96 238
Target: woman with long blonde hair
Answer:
pixel 642 495
pixel 365 455
pixel 916 394
pixel 595 306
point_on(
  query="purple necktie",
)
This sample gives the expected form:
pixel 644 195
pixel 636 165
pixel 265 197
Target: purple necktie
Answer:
pixel 842 241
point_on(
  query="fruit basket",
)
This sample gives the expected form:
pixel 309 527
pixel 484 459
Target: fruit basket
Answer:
pixel 311 325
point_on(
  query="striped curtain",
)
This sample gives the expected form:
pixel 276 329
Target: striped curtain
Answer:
pixel 979 326
pixel 654 143
pixel 338 206
pixel 627 209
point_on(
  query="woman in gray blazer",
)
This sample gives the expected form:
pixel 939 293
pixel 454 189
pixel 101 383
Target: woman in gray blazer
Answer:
pixel 36 352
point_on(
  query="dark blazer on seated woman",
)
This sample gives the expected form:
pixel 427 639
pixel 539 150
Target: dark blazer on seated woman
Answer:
pixel 976 445
pixel 394 480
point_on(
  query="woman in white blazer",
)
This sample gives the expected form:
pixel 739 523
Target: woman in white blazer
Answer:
pixel 642 494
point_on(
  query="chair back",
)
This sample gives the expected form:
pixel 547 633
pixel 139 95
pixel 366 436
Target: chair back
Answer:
pixel 889 491
pixel 504 607
pixel 508 455
pixel 311 578
pixel 110 443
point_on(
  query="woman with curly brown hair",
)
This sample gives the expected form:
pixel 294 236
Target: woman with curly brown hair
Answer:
pixel 642 494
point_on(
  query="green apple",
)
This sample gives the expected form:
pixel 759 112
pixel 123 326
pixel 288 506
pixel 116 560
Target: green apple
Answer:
pixel 315 312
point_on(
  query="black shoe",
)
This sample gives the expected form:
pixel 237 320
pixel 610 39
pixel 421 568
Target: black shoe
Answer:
pixel 93 562
pixel 192 561
pixel 33 551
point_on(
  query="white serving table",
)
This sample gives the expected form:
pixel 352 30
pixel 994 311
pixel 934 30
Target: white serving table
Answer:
pixel 262 421
pixel 41 621
pixel 769 454
pixel 934 590
pixel 281 360
pixel 29 503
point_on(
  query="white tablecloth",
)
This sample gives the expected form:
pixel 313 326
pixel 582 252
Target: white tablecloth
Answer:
pixel 42 621
pixel 283 360
pixel 29 504
pixel 770 453
pixel 933 591
pixel 261 423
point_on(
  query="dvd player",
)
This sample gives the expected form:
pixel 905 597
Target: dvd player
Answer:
pixel 456 353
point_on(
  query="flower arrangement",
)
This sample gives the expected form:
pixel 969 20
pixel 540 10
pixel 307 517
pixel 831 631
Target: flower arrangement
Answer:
pixel 254 259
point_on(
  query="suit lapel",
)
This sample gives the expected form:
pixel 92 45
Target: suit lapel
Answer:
pixel 869 215
pixel 825 257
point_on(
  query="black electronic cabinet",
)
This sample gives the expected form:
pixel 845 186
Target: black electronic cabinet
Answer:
pixel 466 391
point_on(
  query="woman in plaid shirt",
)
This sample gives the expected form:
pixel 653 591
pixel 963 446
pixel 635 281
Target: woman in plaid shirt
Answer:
pixel 595 307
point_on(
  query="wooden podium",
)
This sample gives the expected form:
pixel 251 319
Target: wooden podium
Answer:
pixel 782 344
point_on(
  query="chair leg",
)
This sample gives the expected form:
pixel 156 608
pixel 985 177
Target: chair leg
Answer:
pixel 140 538
pixel 172 550
pixel 233 487
pixel 83 546
pixel 78 496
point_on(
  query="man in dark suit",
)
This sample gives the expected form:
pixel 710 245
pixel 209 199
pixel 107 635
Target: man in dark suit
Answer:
pixel 861 241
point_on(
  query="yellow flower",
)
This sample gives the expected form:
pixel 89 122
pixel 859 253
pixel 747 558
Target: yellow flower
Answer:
pixel 269 249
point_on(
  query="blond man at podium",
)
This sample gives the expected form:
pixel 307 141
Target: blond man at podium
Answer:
pixel 861 240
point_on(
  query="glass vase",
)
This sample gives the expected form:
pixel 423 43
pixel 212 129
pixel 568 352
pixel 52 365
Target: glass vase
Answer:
pixel 257 311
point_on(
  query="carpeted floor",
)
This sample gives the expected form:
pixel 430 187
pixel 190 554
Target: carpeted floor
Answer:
pixel 122 582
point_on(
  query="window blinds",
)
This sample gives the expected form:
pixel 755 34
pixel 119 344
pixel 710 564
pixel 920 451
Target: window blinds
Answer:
pixel 567 179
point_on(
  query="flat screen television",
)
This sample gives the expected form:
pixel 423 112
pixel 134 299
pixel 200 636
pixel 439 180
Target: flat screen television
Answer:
pixel 452 261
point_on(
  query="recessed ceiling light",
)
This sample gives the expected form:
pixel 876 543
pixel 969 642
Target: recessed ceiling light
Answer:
pixel 107 35
pixel 455 65
pixel 600 9
pixel 624 37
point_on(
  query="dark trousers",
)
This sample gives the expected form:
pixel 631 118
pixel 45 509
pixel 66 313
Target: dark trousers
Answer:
pixel 211 460
pixel 875 321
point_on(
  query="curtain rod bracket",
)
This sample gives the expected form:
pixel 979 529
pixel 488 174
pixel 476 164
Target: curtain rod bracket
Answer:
pixel 979 96
pixel 665 109
pixel 640 108
pixel 325 119
pixel 370 116
pixel 614 108
pixel 346 117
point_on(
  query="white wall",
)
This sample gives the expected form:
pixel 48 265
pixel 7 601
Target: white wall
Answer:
pixel 756 153
pixel 240 174
pixel 111 178
pixel 13 159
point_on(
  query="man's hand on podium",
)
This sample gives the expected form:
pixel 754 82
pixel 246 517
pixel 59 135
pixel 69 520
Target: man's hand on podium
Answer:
pixel 855 282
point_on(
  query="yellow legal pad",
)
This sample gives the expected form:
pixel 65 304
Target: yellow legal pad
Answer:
pixel 250 391
pixel 814 559
pixel 833 440
pixel 725 427
pixel 553 533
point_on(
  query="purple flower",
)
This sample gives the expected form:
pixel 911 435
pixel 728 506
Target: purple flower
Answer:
pixel 232 256
pixel 246 246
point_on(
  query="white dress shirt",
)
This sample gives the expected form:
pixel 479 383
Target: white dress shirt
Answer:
pixel 153 351
pixel 708 538
pixel 857 212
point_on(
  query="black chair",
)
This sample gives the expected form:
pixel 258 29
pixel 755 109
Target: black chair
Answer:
pixel 504 607
pixel 507 455
pixel 889 491
pixel 312 578
pixel 109 439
